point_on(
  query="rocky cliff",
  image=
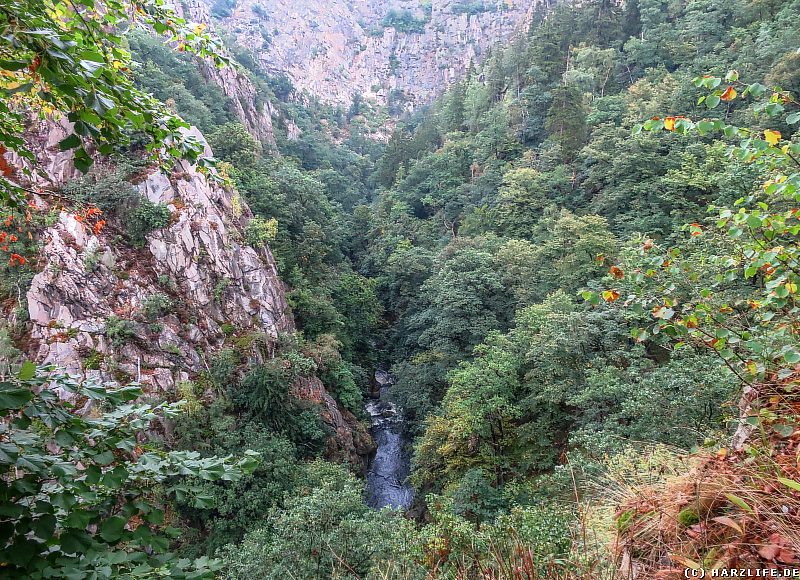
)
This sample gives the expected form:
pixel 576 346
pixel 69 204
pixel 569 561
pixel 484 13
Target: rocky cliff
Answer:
pixel 157 314
pixel 254 114
pixel 402 50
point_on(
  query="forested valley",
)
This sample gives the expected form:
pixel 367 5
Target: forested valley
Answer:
pixel 578 268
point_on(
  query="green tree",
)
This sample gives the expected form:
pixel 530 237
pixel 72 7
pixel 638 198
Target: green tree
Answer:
pixel 326 530
pixel 566 121
pixel 57 57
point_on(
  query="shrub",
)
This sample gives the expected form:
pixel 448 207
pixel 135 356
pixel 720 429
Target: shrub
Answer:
pixel 188 392
pixel 119 331
pixel 260 231
pixel 326 526
pixel 341 382
pixel 108 189
pixel 146 218
pixel 93 360
pixel 404 21
pixel 81 498
pixel 156 306
pixel 222 368
pixel 91 259
pixel 470 7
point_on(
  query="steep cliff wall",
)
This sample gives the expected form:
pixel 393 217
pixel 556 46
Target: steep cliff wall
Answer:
pixel 255 114
pixel 336 48
pixel 91 306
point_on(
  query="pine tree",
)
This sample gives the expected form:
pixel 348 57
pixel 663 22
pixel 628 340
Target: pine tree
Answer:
pixel 566 121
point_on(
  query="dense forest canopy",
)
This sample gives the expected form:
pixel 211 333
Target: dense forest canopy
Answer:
pixel 579 264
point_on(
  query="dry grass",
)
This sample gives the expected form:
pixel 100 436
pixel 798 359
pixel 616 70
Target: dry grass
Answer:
pixel 726 510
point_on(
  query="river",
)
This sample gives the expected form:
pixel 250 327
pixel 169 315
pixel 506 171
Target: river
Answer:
pixel 388 471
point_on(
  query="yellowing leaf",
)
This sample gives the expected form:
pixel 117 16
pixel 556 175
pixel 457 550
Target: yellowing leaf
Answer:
pixel 730 522
pixel 669 123
pixel 610 295
pixel 729 94
pixel 686 562
pixel 772 137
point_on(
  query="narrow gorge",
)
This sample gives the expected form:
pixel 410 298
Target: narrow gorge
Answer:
pixel 413 290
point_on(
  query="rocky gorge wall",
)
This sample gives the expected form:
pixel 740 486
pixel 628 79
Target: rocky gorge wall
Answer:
pixel 88 304
pixel 255 115
pixel 336 48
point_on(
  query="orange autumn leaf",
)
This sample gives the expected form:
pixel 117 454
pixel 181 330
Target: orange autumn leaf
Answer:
pixel 35 64
pixel 17 259
pixel 5 168
pixel 729 94
pixel 610 295
pixel 617 272
pixel 772 137
pixel 669 123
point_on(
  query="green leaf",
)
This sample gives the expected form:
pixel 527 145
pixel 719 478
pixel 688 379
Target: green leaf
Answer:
pixel 12 397
pixel 156 517
pixel 791 483
pixel 73 541
pixel 712 101
pixel 104 458
pixel 116 477
pixel 70 142
pixel 21 552
pixel 111 529
pixel 204 501
pixel 28 371
pixel 79 519
pixel 736 500
pixel 793 118
pixel 44 527
pixel 82 160
pixel 13 65
pixel 791 356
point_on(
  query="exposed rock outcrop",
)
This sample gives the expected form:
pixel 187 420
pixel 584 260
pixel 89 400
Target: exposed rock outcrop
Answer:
pixel 156 314
pixel 255 115
pixel 336 48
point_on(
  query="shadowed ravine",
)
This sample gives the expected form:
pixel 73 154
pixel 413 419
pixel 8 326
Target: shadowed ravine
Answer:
pixel 386 478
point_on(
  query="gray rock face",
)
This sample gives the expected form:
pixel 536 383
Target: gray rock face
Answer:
pixel 199 262
pixel 91 305
pixel 255 117
pixel 336 48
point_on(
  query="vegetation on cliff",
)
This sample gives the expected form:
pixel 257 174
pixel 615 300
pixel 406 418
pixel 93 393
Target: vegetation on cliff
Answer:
pixel 581 261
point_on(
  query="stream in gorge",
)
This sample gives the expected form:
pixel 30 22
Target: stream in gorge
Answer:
pixel 389 469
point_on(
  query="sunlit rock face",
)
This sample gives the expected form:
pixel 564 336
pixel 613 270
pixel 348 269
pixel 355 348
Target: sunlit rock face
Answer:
pixel 336 48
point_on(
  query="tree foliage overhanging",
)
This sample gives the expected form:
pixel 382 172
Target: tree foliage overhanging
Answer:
pixel 535 257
